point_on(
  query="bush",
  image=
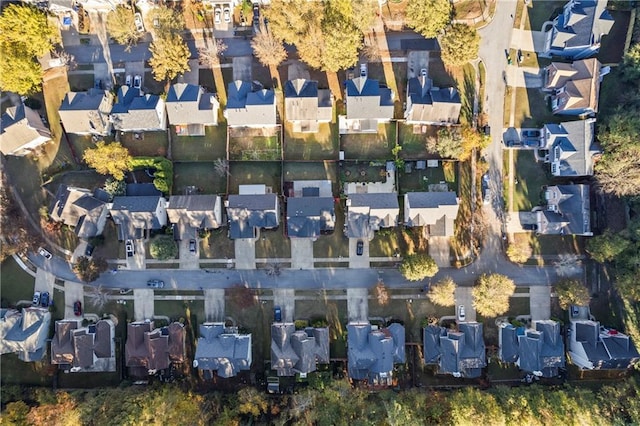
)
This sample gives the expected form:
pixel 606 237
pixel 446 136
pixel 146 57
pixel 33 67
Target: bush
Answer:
pixel 163 176
pixel 301 324
pixel 416 267
pixel 163 247
pixel 571 292
pixel 443 292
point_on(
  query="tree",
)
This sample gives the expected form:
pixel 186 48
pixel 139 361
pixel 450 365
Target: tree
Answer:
pixel 89 269
pixel 631 64
pixel 491 294
pixel 210 55
pixel 163 247
pixel 342 39
pixel 443 292
pixel 114 187
pixel 169 57
pixel 122 27
pixel 459 44
pixel 428 17
pixel 628 286
pixel 607 246
pixel 381 294
pixel 416 267
pixel 268 49
pixel 449 144
pixel 19 74
pixel 26 31
pixel 109 159
pixel 519 250
pixel 571 292
pixel 165 20
pixel 471 139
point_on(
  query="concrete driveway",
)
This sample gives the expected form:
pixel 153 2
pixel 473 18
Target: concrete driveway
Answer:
pixel 529 77
pixel 358 304
pixel 464 297
pixel 143 304
pixel 188 260
pixel 286 299
pixel 417 60
pixel 440 251
pixel 528 41
pixel 245 249
pixel 301 253
pixel 355 261
pixel 214 304
pixel 540 303
pixel 138 260
pixel 72 293
pixel 242 68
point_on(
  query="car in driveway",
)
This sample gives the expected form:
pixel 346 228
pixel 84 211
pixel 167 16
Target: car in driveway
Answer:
pixel 530 226
pixel 128 80
pixel 44 253
pixel 77 308
pixel 137 18
pixel 462 316
pixel 363 70
pixel 227 15
pixel 129 248
pixel 359 247
pixel 44 299
pixel 36 298
pixel 192 246
pixel 155 283
pixel 486 191
pixel 277 314
pixel 137 82
pixel 513 143
pixel 89 250
pixel 217 14
pixel 531 133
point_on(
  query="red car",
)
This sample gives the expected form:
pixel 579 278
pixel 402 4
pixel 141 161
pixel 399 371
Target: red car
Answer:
pixel 77 308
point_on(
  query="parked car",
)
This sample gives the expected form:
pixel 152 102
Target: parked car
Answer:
pixel 461 314
pixel 423 72
pixel 486 191
pixel 36 298
pixel 531 133
pixel 363 70
pixel 128 80
pixel 487 130
pixel 44 253
pixel 227 15
pixel 137 82
pixel 77 308
pixel 125 290
pixel 89 250
pixel 277 314
pixel 530 226
pixel 155 284
pixel 216 15
pixel 256 14
pixel 192 246
pixel 44 300
pixel 513 143
pixel 137 18
pixel 359 247
pixel 129 248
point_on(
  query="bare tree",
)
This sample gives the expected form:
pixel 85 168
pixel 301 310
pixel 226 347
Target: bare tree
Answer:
pixel 273 269
pixel 381 293
pixel 221 167
pixel 97 296
pixel 371 51
pixel 209 55
pixel 66 58
pixel 567 264
pixel 268 49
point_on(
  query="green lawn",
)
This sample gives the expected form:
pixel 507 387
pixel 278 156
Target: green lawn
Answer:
pixel 257 319
pixel 152 144
pixel 202 175
pixel 335 244
pixel 322 145
pixel 404 240
pixel 553 244
pixel 15 283
pixel 369 146
pixel 273 243
pixel 23 174
pixel 530 177
pixel 176 309
pixel 82 179
pixel 414 142
pixel 335 312
pixel 260 148
pixel 217 246
pixel 210 147
pixel 531 109
pixel 251 173
pixel 320 170
pixel 419 180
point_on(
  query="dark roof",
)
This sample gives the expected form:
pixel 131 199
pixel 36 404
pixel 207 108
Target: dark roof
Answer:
pixel 586 18
pixel 248 212
pixel 535 350
pixel 298 351
pixel 420 44
pixel 308 216
pixel 301 89
pixel 153 348
pixel 604 348
pixel 141 189
pixel 372 353
pixel 136 203
pixel 461 352
pixel 574 211
pixel 225 353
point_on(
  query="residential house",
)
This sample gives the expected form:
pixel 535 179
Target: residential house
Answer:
pixel 572 147
pixel 427 104
pixel 149 349
pixel 22 131
pixel 538 350
pixel 247 107
pixel 368 104
pixel 436 210
pixel 298 351
pixel 575 87
pixel 595 347
pixel 87 113
pixel 81 209
pixel 137 215
pixel 310 211
pixel 25 332
pixel 367 213
pixel 135 113
pixel 459 353
pixel 372 352
pixel 191 213
pixel 104 6
pixel 222 351
pixel 190 108
pixel 254 208
pixel 577 32
pixel 568 211
pixel 84 349
pixel 306 106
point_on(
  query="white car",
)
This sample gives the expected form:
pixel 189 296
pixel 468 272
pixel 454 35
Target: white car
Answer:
pixel 36 298
pixel 363 70
pixel 129 248
pixel 44 253
pixel 227 15
pixel 137 19
pixel 216 15
pixel 137 82
pixel 461 314
pixel 127 80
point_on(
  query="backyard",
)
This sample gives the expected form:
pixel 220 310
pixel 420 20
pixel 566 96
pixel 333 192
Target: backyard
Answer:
pixel 415 139
pixel 15 283
pixel 255 148
pixel 250 173
pixel 210 147
pixel 325 170
pixel 145 144
pixel 419 180
pixel 202 175
pixel 529 178
pixel 369 146
pixel 322 145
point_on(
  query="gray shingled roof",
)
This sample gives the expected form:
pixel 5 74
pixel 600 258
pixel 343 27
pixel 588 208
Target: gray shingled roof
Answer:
pixel 430 104
pixel 534 350
pixel 603 348
pixel 372 353
pixel 189 213
pixel 461 352
pixel 308 217
pixel 225 353
pixel 576 145
pixel 150 348
pixel 435 209
pixel 191 104
pixel 574 211
pixel 79 208
pixel 86 112
pixel 133 112
pixel 367 100
pixel 248 212
pixel 298 351
pixel 248 108
pixel 581 24
pixel 19 126
pixel 24 332
pixel 304 102
pixel 367 213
